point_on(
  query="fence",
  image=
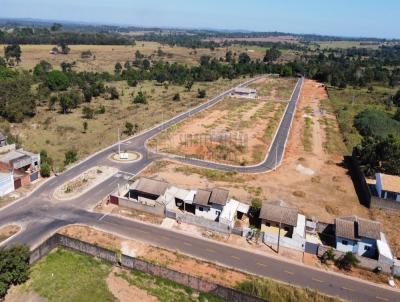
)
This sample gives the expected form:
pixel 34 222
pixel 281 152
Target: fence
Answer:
pixel 364 192
pixel 291 243
pixel 158 209
pixel 128 262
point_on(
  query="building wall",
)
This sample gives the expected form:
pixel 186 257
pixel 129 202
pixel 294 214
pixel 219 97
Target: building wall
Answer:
pixel 158 209
pixel 210 213
pixel 275 224
pixel 350 247
pixel 370 245
pixel 6 185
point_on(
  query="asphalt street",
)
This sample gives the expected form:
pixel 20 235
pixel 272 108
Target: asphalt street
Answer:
pixel 40 215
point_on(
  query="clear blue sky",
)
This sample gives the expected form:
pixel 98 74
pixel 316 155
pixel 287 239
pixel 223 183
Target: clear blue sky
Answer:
pixel 372 18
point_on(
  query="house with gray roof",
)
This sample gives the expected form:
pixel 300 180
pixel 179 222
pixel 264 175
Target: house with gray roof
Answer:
pixel 280 219
pixel 210 204
pixel 358 235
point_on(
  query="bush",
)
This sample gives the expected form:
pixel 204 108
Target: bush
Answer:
pixel 177 97
pixel 87 112
pixel 70 157
pixel 14 267
pixel 201 93
pixel 140 98
pixel 45 170
pixel 376 123
pixel 347 261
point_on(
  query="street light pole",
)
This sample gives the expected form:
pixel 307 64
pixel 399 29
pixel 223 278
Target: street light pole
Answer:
pixel 279 235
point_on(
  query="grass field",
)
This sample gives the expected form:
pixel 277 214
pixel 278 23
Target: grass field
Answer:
pixel 57 133
pixel 106 56
pixel 65 276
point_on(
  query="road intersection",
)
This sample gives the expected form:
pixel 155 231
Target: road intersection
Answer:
pixel 40 215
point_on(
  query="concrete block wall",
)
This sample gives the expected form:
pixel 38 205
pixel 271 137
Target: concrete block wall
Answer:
pixel 128 262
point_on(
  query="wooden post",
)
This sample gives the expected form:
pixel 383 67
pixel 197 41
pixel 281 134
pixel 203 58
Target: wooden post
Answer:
pixel 279 235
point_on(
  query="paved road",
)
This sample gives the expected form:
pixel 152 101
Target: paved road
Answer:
pixel 40 216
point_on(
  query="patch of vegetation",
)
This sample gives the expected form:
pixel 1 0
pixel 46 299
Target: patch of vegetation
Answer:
pixel 276 292
pixel 165 290
pixel 377 123
pixel 65 276
pixel 14 267
pixel 212 175
pixel 308 134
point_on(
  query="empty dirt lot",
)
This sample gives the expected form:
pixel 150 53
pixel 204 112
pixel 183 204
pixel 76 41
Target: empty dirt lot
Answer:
pixel 235 131
pixel 312 179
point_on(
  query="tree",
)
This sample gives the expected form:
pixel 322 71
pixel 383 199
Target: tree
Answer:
pixel 146 64
pixel 57 80
pixel 229 56
pixel 201 93
pixel 397 115
pixel 87 94
pixel 45 170
pixel 114 94
pixel 14 267
pixel 140 98
pixel 13 51
pixel 272 54
pixel 3 62
pixel 118 68
pixel 189 84
pixel 56 27
pixel 396 99
pixel 40 70
pixel 64 48
pixel 128 128
pixel 244 58
pixel 52 102
pixel 70 157
pixel 87 112
pixel 347 261
pixel 85 126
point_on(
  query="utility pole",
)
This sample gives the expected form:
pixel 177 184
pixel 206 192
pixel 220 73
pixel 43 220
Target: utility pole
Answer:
pixel 119 144
pixel 279 235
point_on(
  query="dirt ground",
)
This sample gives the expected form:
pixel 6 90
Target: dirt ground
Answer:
pixel 125 292
pixel 8 231
pixel 84 182
pixel 236 131
pixel 157 255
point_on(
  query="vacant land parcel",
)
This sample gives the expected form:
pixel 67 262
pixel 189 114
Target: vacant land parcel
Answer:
pixel 53 131
pixel 235 131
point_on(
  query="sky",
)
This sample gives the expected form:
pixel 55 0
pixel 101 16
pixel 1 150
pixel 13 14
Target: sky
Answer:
pixel 355 18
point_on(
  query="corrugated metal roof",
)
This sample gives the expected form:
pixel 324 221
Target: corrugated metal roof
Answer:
pixel 353 227
pixel 279 211
pixel 151 186
pixel 202 197
pixel 219 196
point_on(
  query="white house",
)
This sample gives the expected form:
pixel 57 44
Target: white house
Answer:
pixel 6 183
pixel 244 93
pixel 388 186
pixel 357 235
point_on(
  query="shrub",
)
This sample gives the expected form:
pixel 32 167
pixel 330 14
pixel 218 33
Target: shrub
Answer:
pixel 140 98
pixel 347 261
pixel 70 157
pixel 201 93
pixel 45 170
pixel 87 112
pixel 177 97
